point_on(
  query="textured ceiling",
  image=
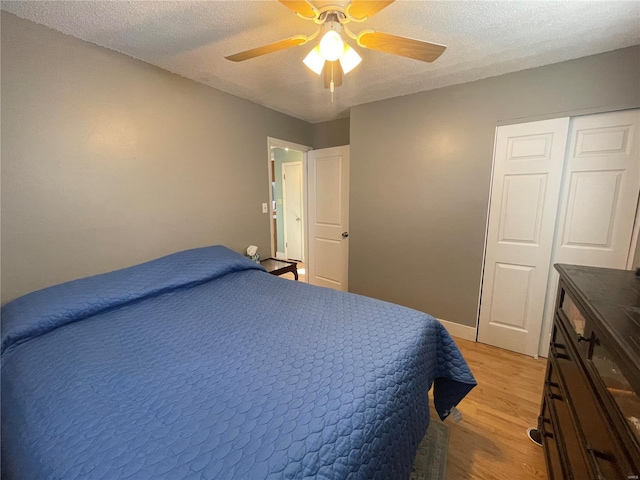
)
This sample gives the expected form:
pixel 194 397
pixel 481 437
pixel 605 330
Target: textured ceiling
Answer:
pixel 484 39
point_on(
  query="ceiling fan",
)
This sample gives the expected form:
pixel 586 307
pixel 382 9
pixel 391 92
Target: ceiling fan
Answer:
pixel 333 57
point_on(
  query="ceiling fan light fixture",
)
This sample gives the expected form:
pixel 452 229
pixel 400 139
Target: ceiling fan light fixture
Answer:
pixel 349 59
pixel 331 46
pixel 314 60
pixel 332 57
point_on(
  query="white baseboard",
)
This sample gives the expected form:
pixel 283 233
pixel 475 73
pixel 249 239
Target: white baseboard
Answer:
pixel 280 256
pixel 461 331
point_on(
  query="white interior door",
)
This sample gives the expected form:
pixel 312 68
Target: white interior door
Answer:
pixel 328 200
pixel 527 174
pixel 292 210
pixel 601 182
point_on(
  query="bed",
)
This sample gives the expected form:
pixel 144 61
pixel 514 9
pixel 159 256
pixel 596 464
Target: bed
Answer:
pixel 202 365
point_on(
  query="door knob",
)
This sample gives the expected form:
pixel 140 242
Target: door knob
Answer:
pixel 345 234
pixel 297 219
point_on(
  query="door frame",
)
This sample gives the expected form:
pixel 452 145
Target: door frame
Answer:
pixel 302 213
pixel 278 143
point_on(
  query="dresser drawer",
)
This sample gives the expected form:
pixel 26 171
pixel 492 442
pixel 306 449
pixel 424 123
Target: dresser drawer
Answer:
pixel 548 428
pixel 570 449
pixel 600 448
pixel 574 322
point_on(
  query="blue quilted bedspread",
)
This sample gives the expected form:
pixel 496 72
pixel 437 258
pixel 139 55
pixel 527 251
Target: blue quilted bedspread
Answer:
pixel 201 365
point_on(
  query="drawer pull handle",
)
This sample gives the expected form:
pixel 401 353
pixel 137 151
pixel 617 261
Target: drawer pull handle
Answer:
pixel 582 339
pixel 542 420
pixel 553 384
pixel 556 354
pixel 543 431
pixel 594 456
pixel 558 345
pixel 555 396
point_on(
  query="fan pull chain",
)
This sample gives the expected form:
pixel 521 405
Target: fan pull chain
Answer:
pixel 332 85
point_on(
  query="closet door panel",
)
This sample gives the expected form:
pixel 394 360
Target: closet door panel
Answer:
pixel 601 184
pixel 528 163
pixel 592 207
pixel 602 178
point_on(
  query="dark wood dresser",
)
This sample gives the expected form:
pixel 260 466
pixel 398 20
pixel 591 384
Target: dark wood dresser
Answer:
pixel 590 416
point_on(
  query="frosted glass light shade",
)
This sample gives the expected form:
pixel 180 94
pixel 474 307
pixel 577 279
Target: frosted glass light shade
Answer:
pixel 349 59
pixel 331 46
pixel 314 60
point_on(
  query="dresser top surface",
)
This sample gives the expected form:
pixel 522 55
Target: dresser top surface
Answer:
pixel 613 296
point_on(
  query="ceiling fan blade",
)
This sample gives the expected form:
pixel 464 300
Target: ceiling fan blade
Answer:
pixel 270 48
pixel 403 46
pixel 361 9
pixel 337 73
pixel 302 8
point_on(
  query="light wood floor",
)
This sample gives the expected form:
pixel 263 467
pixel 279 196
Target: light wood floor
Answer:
pixel 491 441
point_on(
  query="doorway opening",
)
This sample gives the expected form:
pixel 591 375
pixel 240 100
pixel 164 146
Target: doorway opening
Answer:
pixel 288 203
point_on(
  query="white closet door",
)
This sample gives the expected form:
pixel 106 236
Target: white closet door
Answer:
pixel 599 197
pixel 528 164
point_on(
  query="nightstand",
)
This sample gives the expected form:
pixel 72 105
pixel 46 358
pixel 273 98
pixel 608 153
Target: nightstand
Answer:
pixel 280 267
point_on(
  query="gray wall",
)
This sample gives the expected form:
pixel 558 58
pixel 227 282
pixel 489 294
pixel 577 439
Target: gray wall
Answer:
pixel 333 133
pixel 108 161
pixel 421 168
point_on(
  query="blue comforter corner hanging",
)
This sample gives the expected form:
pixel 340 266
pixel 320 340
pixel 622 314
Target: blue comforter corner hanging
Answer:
pixel 201 365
